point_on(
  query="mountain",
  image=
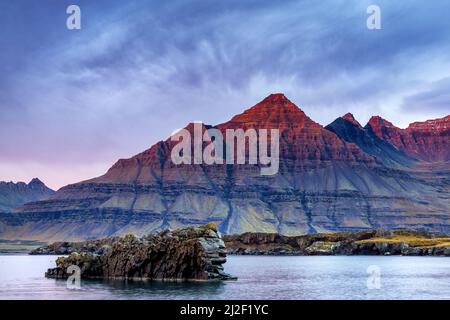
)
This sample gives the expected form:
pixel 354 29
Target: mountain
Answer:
pixel 348 129
pixel 428 140
pixel 304 143
pixel 340 179
pixel 13 195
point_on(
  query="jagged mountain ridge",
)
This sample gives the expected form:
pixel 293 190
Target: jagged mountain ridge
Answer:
pixel 13 195
pixel 349 129
pixel 428 140
pixel 325 183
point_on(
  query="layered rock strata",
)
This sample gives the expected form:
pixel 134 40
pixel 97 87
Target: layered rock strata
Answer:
pixel 339 178
pixel 428 140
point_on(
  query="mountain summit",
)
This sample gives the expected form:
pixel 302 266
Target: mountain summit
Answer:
pixel 428 140
pixel 13 195
pixel 275 111
pixel 341 177
pixel 350 118
pixel 349 129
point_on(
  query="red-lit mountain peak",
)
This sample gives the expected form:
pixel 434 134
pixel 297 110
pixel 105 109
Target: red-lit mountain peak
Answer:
pixel 428 140
pixel 349 117
pixel 275 111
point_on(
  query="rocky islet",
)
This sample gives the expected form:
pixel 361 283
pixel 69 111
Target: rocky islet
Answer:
pixel 189 254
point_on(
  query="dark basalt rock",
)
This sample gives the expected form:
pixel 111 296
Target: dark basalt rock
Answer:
pixel 97 247
pixel 310 244
pixel 371 242
pixel 195 253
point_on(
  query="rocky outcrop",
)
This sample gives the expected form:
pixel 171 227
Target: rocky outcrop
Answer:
pixel 373 242
pixel 370 242
pixel 97 247
pixel 325 183
pixel 13 195
pixel 195 253
pixel 310 244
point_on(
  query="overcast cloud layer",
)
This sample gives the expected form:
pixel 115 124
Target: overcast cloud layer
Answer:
pixel 73 102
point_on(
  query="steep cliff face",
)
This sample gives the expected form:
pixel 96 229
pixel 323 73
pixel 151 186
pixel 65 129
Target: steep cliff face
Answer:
pixel 326 182
pixel 13 195
pixel 428 140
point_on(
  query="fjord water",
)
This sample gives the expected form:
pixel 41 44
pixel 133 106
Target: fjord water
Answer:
pixel 260 277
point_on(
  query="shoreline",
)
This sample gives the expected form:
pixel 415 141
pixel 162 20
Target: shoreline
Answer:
pixel 22 254
pixel 371 242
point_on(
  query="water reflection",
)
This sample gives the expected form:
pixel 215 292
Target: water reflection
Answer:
pixel 139 289
pixel 22 277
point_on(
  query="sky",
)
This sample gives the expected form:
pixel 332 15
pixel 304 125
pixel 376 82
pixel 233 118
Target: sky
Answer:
pixel 72 102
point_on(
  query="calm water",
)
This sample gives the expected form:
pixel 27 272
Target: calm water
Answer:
pixel 21 277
